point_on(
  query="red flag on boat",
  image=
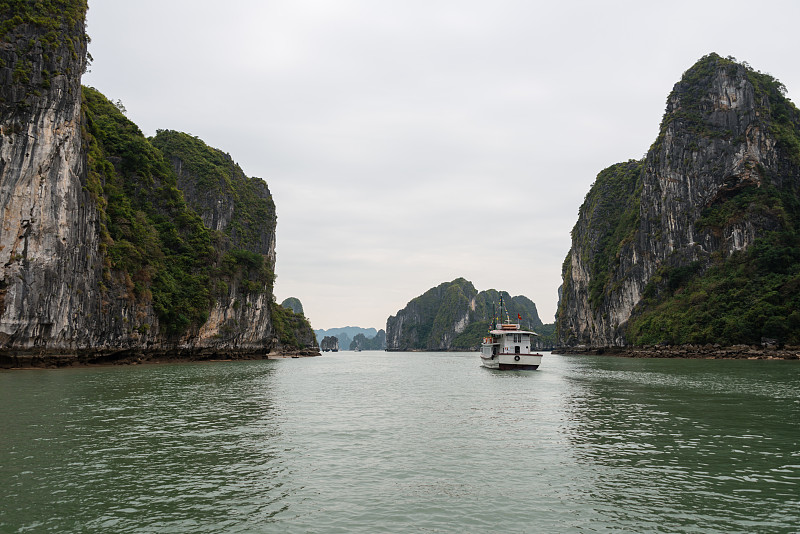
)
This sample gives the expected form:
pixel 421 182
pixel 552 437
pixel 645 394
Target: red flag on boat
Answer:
pixel 519 317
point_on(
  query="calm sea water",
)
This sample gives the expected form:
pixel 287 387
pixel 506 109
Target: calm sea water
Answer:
pixel 390 442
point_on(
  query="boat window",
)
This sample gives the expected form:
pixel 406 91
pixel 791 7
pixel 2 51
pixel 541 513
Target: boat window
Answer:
pixel 516 349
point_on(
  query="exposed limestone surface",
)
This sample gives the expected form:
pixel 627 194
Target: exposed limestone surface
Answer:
pixel 238 321
pixel 49 266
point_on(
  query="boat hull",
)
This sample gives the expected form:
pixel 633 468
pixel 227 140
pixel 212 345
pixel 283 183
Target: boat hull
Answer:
pixel 513 362
pixel 517 367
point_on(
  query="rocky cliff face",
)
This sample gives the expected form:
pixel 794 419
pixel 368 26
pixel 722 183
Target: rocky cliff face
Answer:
pixel 689 205
pixel 99 252
pixel 240 214
pixel 362 342
pixel 229 202
pixel 452 316
pixel 49 264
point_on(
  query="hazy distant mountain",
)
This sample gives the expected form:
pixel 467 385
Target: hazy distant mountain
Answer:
pixel 361 342
pixel 345 334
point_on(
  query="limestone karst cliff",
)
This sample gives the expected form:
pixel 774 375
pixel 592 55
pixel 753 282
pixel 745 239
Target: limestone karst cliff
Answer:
pixel 452 316
pixel 362 342
pixel 48 239
pixel 329 344
pixel 102 251
pixel 698 242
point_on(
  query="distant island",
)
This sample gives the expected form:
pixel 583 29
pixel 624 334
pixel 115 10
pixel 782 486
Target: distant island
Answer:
pixel 353 338
pixel 329 344
pixel 454 316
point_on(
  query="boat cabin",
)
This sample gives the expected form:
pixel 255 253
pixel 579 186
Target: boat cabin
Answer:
pixel 507 339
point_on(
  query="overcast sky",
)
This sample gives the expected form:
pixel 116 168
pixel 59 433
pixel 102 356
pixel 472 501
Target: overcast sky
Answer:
pixel 408 143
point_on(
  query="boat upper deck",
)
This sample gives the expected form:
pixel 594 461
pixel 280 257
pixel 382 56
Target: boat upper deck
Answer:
pixel 505 329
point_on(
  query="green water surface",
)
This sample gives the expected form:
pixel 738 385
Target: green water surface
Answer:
pixel 392 442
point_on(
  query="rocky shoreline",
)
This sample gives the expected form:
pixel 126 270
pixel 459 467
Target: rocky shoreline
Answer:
pixel 717 352
pixel 50 358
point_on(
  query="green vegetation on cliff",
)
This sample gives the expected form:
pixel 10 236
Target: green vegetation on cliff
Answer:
pixel 611 209
pixel 48 40
pixel 155 244
pixel 750 295
pixel 784 118
pixel 288 325
pixel 214 175
pixel 453 316
pixel 49 15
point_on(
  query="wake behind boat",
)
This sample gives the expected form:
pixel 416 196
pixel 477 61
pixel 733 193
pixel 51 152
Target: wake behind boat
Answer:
pixel 508 347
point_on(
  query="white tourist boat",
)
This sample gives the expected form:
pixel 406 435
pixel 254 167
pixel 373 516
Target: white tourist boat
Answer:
pixel 508 347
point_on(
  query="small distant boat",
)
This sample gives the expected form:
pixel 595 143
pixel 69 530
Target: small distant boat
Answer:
pixel 508 347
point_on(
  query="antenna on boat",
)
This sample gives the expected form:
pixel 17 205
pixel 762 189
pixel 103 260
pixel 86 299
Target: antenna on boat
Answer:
pixel 504 308
pixel 500 315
